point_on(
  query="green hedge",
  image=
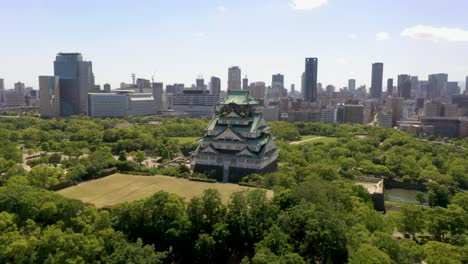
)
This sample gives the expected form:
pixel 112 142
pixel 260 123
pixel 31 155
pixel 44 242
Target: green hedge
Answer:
pixel 209 180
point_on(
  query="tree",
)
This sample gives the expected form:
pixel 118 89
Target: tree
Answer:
pixel 55 158
pixel 411 220
pixel 441 253
pixel 421 198
pixel 123 155
pixel 46 176
pixel 439 195
pixel 369 254
pixel 139 156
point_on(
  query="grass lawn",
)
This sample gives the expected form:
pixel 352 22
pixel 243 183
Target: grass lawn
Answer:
pixel 119 188
pixel 186 140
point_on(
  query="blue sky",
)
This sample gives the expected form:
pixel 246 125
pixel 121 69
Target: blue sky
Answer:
pixel 181 39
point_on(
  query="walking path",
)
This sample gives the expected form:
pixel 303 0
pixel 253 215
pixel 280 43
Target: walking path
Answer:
pixel 306 140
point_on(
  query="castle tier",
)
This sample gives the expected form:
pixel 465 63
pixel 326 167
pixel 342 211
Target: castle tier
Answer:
pixel 237 141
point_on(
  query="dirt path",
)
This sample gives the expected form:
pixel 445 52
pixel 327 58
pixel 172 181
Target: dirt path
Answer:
pixel 306 140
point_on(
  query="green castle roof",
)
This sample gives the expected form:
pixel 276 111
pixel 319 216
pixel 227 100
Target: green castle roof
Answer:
pixel 239 97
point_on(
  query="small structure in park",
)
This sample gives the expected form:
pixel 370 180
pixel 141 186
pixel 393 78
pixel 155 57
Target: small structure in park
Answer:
pixel 237 141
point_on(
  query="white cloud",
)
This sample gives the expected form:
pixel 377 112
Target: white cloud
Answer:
pixel 436 33
pixel 352 36
pixel 221 9
pixel 306 4
pixel 381 36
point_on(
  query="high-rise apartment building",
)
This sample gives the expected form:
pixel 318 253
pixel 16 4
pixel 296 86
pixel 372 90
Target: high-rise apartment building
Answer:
pixel 215 85
pixel 310 80
pixel 404 86
pixel 49 95
pixel 436 86
pixel 351 86
pixel 234 78
pixel 377 80
pixel 75 81
pixel 389 87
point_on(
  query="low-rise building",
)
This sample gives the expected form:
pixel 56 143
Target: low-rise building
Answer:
pixel 121 103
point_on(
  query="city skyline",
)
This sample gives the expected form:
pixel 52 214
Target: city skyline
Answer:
pixel 208 37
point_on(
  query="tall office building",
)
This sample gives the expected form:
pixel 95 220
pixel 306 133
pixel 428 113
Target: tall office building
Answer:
pixel 436 86
pixel 75 81
pixel 215 85
pixel 415 87
pixel 200 84
pixel 466 85
pixel 277 79
pixel 245 83
pixel 377 80
pixel 49 95
pixel 107 88
pixel 158 90
pixel 20 88
pixel 351 86
pixel 257 90
pixel 310 80
pixel 404 86
pixel 2 84
pixel 389 87
pixel 234 78
pixel 452 88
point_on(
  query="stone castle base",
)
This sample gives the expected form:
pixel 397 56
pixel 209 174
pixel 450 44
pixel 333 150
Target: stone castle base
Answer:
pixel 235 174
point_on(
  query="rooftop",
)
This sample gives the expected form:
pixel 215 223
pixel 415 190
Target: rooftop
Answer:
pixel 239 97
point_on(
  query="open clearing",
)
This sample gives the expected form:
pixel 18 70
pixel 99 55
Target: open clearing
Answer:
pixel 314 139
pixel 187 140
pixel 119 188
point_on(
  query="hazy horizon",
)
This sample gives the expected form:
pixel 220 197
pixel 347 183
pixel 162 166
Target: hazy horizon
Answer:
pixel 179 40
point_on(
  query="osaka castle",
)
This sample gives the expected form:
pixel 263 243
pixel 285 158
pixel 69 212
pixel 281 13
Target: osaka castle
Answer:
pixel 237 141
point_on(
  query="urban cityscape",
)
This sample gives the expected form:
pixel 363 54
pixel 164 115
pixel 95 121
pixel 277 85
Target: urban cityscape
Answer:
pixel 433 105
pixel 250 132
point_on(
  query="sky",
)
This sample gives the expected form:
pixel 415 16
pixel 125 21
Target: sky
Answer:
pixel 177 40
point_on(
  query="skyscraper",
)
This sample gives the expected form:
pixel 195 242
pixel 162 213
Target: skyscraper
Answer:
pixel 75 81
pixel 2 84
pixel 234 78
pixel 351 86
pixel 415 87
pixel 310 80
pixel 107 88
pixel 49 94
pixel 452 88
pixel 377 80
pixel 436 86
pixel 277 79
pixel 466 85
pixel 245 83
pixel 404 86
pixel 20 87
pixel 389 87
pixel 215 85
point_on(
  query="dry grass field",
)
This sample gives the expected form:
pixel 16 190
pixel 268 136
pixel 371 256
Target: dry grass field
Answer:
pixel 119 188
